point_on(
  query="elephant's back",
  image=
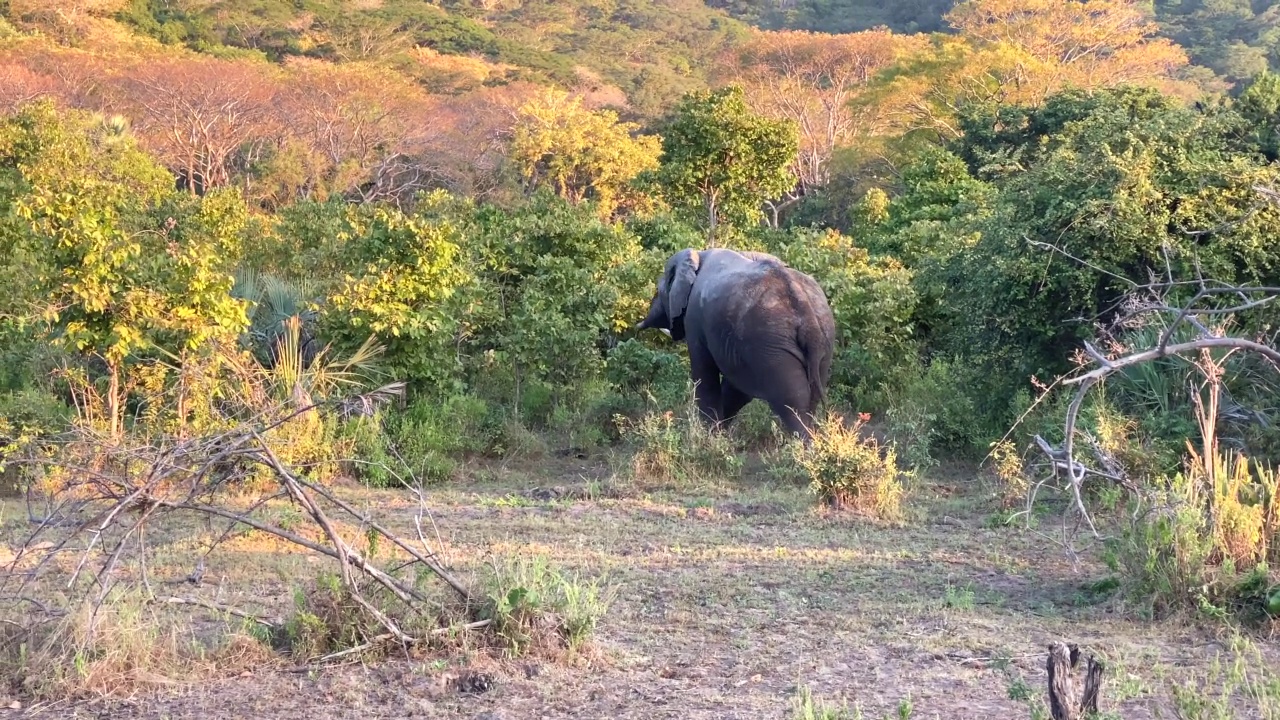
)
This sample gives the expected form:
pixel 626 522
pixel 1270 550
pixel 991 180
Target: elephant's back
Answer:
pixel 774 296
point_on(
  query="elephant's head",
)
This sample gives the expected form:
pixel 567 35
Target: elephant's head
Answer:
pixel 666 310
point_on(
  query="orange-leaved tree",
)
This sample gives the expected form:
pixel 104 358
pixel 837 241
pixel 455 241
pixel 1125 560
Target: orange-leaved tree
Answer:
pixel 811 78
pixel 201 116
pixel 351 128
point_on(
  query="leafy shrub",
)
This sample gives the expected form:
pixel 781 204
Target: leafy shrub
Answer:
pixel 757 426
pixel 1208 541
pixel 403 282
pixel 646 379
pixel 365 443
pixel 426 439
pixel 551 277
pixel 24 416
pixel 1011 477
pixel 536 607
pixel 933 412
pixel 848 471
pixel 679 449
pixel 942 389
pixel 430 434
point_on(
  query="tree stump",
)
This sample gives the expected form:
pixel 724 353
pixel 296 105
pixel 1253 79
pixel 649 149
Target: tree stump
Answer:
pixel 1067 699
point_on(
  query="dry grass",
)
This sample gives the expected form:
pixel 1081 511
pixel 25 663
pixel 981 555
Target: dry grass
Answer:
pixel 121 647
pixel 724 601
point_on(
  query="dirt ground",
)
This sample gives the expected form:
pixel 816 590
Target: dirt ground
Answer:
pixel 726 599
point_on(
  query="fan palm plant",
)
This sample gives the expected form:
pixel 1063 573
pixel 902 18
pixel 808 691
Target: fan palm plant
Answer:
pixel 272 302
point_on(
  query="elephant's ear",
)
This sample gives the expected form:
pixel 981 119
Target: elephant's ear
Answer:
pixel 683 272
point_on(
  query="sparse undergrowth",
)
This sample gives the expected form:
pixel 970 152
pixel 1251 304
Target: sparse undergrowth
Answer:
pixel 1208 544
pixel 529 608
pixel 804 706
pixel 535 607
pixel 679 451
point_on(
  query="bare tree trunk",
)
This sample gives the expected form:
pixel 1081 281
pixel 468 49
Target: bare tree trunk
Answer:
pixel 712 219
pixel 1066 700
pixel 113 397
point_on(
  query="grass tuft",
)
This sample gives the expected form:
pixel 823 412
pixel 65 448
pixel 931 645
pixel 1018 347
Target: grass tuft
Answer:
pixel 536 608
pixel 679 451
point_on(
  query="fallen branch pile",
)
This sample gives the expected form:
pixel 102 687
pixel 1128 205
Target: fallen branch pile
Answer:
pixel 108 494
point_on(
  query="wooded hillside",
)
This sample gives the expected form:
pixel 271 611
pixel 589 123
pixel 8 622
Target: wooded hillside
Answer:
pixel 218 211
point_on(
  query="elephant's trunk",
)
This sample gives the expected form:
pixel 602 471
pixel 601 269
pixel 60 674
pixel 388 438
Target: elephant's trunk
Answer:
pixel 654 319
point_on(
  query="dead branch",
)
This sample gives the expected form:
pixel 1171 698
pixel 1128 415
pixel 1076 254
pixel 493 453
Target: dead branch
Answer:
pixel 427 560
pixel 1067 700
pixel 110 489
pixel 377 640
pixel 220 608
pixel 1203 315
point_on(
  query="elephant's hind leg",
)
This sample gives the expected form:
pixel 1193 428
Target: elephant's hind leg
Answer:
pixel 732 401
pixel 795 419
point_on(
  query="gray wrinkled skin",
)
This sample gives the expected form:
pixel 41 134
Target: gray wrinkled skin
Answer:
pixel 755 329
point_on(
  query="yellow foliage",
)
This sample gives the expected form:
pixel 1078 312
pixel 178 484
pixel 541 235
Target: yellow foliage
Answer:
pixel 1022 51
pixel 1008 469
pixel 849 471
pixel 443 73
pixel 1242 505
pixel 1069 42
pixel 581 154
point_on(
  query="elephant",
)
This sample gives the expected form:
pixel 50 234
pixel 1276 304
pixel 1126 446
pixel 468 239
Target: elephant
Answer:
pixel 755 328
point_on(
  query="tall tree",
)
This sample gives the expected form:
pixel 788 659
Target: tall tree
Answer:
pixel 723 161
pixel 810 78
pixel 201 115
pixel 1081 43
pixel 124 264
pixel 579 153
pixel 352 129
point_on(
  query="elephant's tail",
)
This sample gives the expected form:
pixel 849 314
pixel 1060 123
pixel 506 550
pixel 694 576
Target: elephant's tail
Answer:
pixel 817 343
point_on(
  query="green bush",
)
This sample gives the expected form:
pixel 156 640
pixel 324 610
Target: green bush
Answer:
pixel 430 435
pixel 367 448
pixel 934 413
pixel 1126 182
pixel 646 379
pixel 25 416
pixel 406 277
pixel 534 606
pixel 1207 544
